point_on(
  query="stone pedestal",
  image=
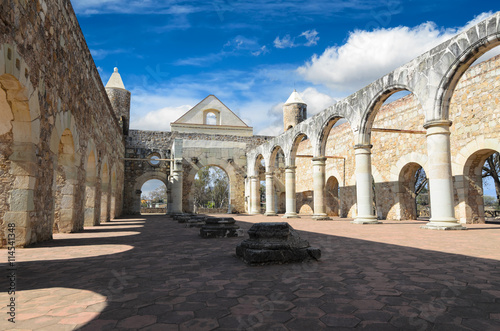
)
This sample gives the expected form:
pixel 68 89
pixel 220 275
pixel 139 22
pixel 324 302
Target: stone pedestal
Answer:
pixel 196 221
pixel 291 203
pixel 275 243
pixel 364 182
pixel 440 178
pixel 220 227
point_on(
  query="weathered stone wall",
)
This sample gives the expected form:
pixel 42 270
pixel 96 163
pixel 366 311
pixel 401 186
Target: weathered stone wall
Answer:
pixel 52 85
pixel 475 134
pixel 199 150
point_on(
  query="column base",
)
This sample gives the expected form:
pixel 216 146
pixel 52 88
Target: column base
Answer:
pixel 444 224
pixel 270 214
pixel 366 220
pixel 290 215
pixel 321 217
pixel 254 213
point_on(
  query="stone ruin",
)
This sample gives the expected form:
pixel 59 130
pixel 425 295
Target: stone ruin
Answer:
pixel 275 243
pixel 220 227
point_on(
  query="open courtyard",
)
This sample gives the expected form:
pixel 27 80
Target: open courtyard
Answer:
pixel 153 273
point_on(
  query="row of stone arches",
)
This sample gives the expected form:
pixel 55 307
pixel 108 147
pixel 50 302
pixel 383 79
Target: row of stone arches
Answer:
pixel 432 85
pixel 44 162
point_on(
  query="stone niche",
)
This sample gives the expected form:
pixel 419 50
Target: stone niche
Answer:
pixel 275 243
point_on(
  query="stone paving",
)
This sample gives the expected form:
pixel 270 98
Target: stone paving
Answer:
pixel 152 273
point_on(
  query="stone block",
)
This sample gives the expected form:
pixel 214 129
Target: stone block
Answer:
pixel 275 243
pixel 22 200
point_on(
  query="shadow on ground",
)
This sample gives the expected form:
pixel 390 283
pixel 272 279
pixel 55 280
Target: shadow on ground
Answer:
pixel 173 280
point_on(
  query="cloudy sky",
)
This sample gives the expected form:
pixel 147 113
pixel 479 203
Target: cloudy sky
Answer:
pixel 252 54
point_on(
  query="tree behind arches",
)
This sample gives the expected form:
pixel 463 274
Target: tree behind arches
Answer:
pixel 491 169
pixel 211 188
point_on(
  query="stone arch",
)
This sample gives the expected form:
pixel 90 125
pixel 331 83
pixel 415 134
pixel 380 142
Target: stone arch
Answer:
pixel 332 198
pixel 211 117
pixel 91 217
pixel 400 180
pixel 297 139
pixel 374 105
pixel 324 132
pixel 405 195
pixel 466 178
pixel 474 42
pixel 65 184
pixel 277 163
pixel 231 175
pixel 469 184
pixel 19 134
pixel 139 182
pixel 473 186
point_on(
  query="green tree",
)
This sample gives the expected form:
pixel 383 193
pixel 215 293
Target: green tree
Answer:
pixel 211 188
pixel 491 168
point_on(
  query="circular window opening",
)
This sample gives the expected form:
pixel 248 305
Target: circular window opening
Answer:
pixel 154 160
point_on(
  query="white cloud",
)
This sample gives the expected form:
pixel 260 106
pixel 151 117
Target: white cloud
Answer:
pixel 316 101
pixel 311 37
pixel 274 130
pixel 287 41
pixel 368 55
pixel 159 120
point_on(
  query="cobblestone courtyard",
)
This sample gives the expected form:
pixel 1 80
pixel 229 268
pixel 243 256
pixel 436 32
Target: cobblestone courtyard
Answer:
pixel 152 273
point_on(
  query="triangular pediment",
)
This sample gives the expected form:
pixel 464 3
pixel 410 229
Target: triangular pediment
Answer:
pixel 196 115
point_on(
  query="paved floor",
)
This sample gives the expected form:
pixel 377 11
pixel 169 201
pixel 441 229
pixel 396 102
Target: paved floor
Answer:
pixel 152 273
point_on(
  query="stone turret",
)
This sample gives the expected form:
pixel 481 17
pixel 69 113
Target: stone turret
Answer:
pixel 294 111
pixel 120 99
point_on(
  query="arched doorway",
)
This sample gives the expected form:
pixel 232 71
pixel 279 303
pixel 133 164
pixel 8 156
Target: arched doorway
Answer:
pixel 332 197
pixel 211 190
pixel 481 174
pixel 18 109
pixel 154 197
pixel 413 194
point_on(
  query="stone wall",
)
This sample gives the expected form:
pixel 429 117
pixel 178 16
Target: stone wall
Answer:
pixel 199 150
pixel 475 134
pixel 50 89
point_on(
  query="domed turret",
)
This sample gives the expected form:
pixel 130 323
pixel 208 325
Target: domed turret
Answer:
pixel 294 111
pixel 120 99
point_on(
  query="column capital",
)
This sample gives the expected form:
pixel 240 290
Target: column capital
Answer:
pixel 268 174
pixel 291 168
pixel 434 123
pixel 253 177
pixel 319 159
pixel 361 146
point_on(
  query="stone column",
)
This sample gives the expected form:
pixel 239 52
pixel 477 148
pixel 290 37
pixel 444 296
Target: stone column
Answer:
pixel 177 187
pixel 270 195
pixel 291 203
pixel 364 182
pixel 319 188
pixel 440 177
pixel 254 195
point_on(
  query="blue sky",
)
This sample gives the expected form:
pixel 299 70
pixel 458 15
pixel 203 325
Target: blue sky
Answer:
pixel 252 54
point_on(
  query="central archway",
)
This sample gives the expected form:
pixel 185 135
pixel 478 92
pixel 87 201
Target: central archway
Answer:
pixel 154 197
pixel 211 190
